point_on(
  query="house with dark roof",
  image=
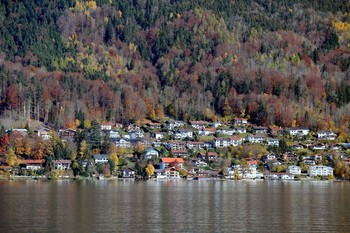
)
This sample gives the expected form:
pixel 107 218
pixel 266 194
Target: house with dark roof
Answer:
pixel 150 153
pixel 62 164
pixel 127 173
pixel 100 158
pixel 298 131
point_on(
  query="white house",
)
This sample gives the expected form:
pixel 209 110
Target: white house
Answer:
pixel 221 142
pixel 241 172
pixel 271 156
pixel 136 134
pixel 236 141
pixel 298 131
pixel 199 124
pixel 44 134
pixel 241 130
pixel 158 135
pixel 177 145
pixel 320 171
pixel 174 124
pixel 123 143
pixel 22 132
pixel 172 173
pixel 318 147
pixel 34 164
pixel 326 135
pixel 260 130
pixel 279 176
pixel 206 131
pixel 127 173
pixel 106 126
pixel 295 170
pixel 150 153
pixel 241 121
pixel 196 145
pixel 61 164
pixel 216 124
pixel 182 134
pixel 114 134
pixel 256 138
pixel 101 158
pixel 228 131
pixel 226 142
pixel 272 142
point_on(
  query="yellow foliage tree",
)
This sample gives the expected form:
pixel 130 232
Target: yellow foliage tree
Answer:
pixel 149 170
pixel 343 29
pixel 83 148
pixel 115 159
pixel 87 124
pixel 11 158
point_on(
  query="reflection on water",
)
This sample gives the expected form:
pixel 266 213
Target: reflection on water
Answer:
pixel 174 206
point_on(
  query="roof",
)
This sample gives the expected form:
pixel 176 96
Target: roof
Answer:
pixel 199 122
pixel 179 151
pixel 178 142
pixel 260 128
pixel 235 138
pixel 172 160
pixel 210 154
pixel 209 129
pixel 151 149
pixel 298 128
pixel 195 143
pixel 34 161
pixel 128 170
pixel 241 119
pixel 276 128
pixel 62 161
pixel 100 156
pixel 107 123
pixel 172 169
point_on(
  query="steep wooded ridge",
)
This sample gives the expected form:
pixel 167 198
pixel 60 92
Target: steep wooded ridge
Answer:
pixel 276 62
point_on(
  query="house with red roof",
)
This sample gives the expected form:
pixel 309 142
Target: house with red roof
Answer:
pixel 171 162
pixel 34 164
pixel 211 156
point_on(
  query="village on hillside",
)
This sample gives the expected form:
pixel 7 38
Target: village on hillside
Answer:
pixel 175 149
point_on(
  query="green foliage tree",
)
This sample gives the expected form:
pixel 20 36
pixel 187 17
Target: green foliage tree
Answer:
pixel 109 33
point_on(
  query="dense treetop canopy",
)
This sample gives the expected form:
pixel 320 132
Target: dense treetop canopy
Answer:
pixel 276 62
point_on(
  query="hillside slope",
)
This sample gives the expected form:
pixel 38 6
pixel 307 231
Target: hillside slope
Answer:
pixel 275 62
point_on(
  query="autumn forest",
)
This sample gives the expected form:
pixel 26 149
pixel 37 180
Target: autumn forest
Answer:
pixel 283 63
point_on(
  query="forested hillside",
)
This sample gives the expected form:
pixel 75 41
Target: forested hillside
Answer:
pixel 276 62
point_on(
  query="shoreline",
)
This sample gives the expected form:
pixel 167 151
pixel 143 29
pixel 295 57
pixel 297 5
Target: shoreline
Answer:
pixel 44 178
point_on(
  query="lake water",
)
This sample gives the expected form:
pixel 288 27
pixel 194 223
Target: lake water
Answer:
pixel 174 206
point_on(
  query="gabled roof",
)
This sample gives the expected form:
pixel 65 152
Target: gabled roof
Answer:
pixel 175 168
pixel 172 160
pixel 210 154
pixel 235 138
pixel 66 161
pixel 100 156
pixel 34 161
pixel 275 128
pixel 199 122
pixel 298 128
pixel 179 151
